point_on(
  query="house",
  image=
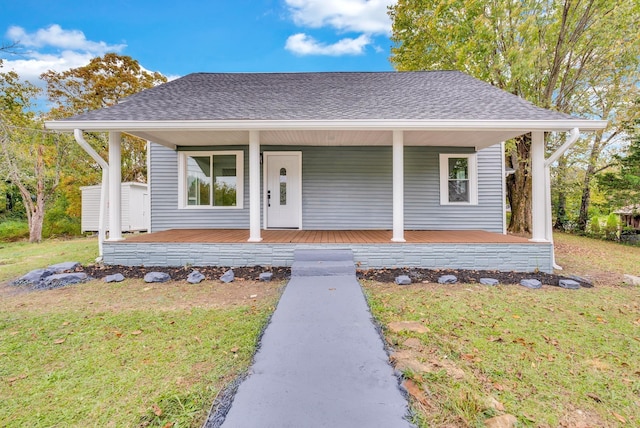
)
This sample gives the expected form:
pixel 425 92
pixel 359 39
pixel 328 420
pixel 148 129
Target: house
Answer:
pixel 405 168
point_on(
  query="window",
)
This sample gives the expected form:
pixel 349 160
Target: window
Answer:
pixel 458 179
pixel 211 179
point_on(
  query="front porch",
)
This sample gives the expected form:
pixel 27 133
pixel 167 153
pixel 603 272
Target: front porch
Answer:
pixel 435 249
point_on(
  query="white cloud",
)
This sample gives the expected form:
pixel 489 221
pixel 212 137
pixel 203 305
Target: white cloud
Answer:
pixel 302 44
pixel 360 16
pixel 55 36
pixel 52 48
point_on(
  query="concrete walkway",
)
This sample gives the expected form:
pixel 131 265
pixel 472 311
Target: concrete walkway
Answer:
pixel 321 362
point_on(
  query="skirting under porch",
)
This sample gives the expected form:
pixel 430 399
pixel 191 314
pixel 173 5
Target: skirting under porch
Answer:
pixel 443 249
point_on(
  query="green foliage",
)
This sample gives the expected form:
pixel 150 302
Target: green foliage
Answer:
pixel 622 187
pixel 57 221
pixel 611 228
pixel 13 230
pixel 594 226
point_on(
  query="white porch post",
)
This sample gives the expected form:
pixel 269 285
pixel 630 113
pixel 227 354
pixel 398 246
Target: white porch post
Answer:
pixel 538 192
pixel 115 177
pixel 398 187
pixel 254 186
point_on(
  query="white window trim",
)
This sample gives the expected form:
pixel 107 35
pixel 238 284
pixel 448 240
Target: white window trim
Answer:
pixel 473 178
pixel 182 179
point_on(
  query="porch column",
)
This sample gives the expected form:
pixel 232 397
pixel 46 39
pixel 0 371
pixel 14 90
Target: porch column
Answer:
pixel 538 192
pixel 398 186
pixel 115 177
pixel 254 186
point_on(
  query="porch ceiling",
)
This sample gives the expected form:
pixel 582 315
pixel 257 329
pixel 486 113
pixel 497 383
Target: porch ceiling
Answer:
pixel 460 138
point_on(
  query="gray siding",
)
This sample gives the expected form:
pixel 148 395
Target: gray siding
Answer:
pixel 346 188
pixel 422 209
pixel 164 196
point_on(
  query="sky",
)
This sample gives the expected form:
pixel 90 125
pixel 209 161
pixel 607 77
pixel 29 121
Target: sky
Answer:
pixel 178 37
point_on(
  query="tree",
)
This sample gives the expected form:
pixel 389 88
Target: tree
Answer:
pixel 622 187
pixel 554 53
pixel 102 83
pixel 30 158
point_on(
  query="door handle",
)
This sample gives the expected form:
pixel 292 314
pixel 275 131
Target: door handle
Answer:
pixel 268 198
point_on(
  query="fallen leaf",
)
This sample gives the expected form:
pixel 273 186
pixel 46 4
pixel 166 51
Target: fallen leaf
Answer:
pixel 332 289
pixel 516 317
pixel 594 397
pixel 234 349
pixel 197 339
pixel 495 339
pixel 147 288
pixel 168 425
pixel 137 332
pixel 13 379
pixel 157 410
pixel 59 341
pixel 619 417
pixel 253 296
pixel 13 333
pixel 66 323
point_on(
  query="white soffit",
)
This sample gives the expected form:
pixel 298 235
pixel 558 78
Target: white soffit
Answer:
pixel 478 139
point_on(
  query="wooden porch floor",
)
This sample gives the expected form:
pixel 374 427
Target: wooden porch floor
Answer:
pixel 326 236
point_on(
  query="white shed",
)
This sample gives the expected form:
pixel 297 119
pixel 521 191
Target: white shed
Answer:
pixel 135 207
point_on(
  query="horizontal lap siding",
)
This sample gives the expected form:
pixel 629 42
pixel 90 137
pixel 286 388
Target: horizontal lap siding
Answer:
pixel 345 188
pixel 422 192
pixel 164 196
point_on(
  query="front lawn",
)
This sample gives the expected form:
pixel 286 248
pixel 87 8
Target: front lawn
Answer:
pixel 550 357
pixel 131 354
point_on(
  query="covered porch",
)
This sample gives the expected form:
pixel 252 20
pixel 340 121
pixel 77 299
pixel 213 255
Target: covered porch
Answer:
pixel 441 249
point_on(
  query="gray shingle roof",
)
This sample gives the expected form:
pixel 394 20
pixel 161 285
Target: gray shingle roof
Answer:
pixel 427 95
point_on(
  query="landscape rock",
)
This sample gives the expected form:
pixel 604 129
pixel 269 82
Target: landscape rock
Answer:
pixel 489 281
pixel 195 277
pixel 64 267
pixel 116 277
pixel 265 276
pixel 569 284
pixel 584 282
pixel 502 421
pixel 631 279
pixel 156 277
pixel 447 279
pixel 33 277
pixel 60 280
pixel 403 280
pixel 414 326
pixel 228 276
pixel 531 283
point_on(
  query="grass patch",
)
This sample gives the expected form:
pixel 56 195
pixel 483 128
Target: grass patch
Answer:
pixel 125 355
pixel 551 357
pixel 548 357
pixel 603 261
pixel 18 258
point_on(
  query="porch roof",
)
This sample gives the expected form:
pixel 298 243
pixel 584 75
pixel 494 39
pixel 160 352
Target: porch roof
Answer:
pixel 434 107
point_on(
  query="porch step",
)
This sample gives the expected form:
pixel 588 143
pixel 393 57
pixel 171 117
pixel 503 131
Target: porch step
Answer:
pixel 323 263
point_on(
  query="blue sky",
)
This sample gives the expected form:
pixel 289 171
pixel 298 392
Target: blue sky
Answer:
pixel 178 37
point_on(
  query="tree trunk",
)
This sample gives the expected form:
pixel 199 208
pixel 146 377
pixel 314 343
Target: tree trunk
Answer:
pixel 519 186
pixel 583 217
pixel 561 206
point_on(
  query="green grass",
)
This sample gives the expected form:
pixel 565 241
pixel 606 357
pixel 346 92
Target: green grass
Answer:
pixel 587 256
pixel 123 355
pixel 18 258
pixel 551 357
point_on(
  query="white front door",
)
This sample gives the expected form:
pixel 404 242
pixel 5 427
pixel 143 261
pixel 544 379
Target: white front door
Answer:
pixel 283 182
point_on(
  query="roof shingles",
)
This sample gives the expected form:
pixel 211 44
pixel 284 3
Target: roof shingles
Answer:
pixel 426 95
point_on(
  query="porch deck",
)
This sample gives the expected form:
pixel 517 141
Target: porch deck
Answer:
pixel 442 249
pixel 237 236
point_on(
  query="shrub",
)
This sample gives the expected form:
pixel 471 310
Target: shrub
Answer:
pixel 611 228
pixel 594 227
pixel 13 230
